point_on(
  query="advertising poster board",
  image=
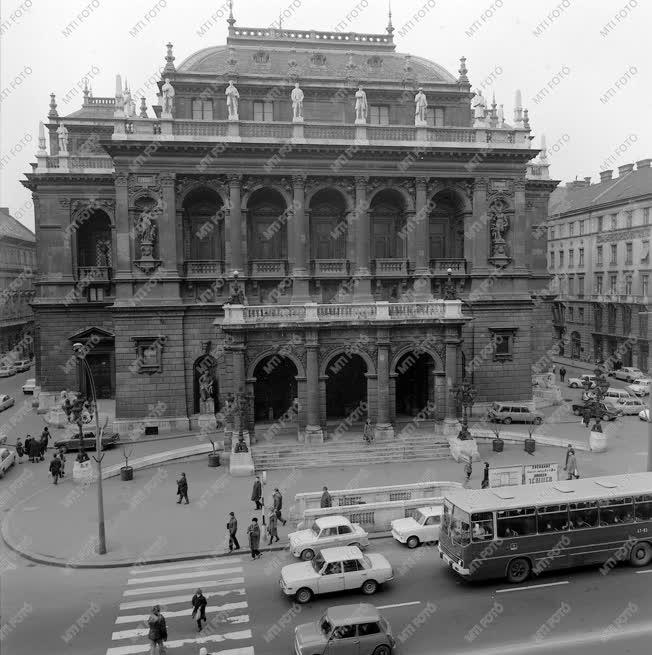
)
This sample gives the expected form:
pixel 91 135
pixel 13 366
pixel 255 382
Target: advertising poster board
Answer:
pixel 505 476
pixel 536 473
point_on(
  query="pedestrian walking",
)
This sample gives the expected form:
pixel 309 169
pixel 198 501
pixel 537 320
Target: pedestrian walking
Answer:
pixel 485 476
pixel 272 527
pixel 562 373
pixel 253 532
pixel 62 457
pixel 34 449
pixel 182 489
pixel 572 472
pixel 232 527
pixel 257 493
pixel 278 505
pixel 28 445
pixel 45 438
pixel 368 432
pixel 326 499
pixel 569 449
pixel 55 468
pixel 586 416
pixel 158 632
pixel 468 470
pixel 199 603
pixel 20 450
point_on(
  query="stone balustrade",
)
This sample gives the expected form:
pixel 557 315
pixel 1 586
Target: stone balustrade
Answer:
pixel 441 266
pixel 273 268
pixel 330 268
pixel 391 267
pixel 208 269
pixel 94 273
pixel 345 312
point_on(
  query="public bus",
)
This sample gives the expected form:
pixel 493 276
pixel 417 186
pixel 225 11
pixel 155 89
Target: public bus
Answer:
pixel 518 531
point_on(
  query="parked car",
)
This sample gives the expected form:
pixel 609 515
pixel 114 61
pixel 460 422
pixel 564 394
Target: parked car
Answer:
pixel 6 402
pixel 644 415
pixel 422 528
pixel 514 412
pixel 7 370
pixel 7 460
pixel 109 439
pixel 613 393
pixel 327 531
pixel 605 412
pixel 640 387
pixel 345 629
pixel 629 374
pixel 22 365
pixel 630 406
pixel 29 386
pixel 335 569
pixel 576 383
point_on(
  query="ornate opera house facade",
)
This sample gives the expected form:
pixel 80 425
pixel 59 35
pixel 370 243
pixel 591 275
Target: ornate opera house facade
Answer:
pixel 308 218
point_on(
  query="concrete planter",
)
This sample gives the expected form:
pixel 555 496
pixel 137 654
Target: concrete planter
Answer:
pixel 213 460
pixel 498 445
pixel 529 445
pixel 598 442
pixel 126 473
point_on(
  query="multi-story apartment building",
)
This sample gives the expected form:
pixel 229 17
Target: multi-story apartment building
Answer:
pixel 599 252
pixel 346 225
pixel 17 266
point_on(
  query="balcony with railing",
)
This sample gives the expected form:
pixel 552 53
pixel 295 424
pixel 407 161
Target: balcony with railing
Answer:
pixel 94 274
pixel 270 268
pixel 336 268
pixel 200 269
pixel 390 267
pixel 441 266
pixel 72 163
pixel 399 312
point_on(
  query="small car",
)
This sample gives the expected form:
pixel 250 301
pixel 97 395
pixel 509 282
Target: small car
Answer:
pixel 644 415
pixel 109 439
pixel 616 394
pixel 335 569
pixel 629 374
pixel 345 629
pixel 29 385
pixel 22 365
pixel 640 387
pixel 576 383
pixel 327 531
pixel 6 402
pixel 7 460
pixel 422 528
pixel 630 406
pixel 603 411
pixel 7 370
pixel 514 412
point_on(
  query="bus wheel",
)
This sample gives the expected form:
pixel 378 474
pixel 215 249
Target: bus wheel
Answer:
pixel 518 570
pixel 640 554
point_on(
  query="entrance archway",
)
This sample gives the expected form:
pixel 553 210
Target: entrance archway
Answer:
pixel 576 345
pixel 346 386
pixel 275 388
pixel 414 383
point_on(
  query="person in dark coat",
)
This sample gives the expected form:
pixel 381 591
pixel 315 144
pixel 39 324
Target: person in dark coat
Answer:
pixel 326 499
pixel 34 450
pixel 278 505
pixel 67 408
pixel 45 438
pixel 182 489
pixel 199 603
pixel 571 466
pixel 55 468
pixel 232 527
pixel 158 632
pixel 62 457
pixel 253 532
pixel 20 450
pixel 272 527
pixel 562 373
pixel 485 476
pixel 257 493
pixel 28 446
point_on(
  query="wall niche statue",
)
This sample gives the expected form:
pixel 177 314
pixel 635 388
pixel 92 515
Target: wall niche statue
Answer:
pixel 499 225
pixel 146 229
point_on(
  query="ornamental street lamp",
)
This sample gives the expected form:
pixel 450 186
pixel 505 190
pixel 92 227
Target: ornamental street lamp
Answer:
pixel 450 290
pixel 80 353
pixel 465 394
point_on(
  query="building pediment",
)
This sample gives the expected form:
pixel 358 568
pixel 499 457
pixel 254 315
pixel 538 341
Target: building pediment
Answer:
pixel 92 333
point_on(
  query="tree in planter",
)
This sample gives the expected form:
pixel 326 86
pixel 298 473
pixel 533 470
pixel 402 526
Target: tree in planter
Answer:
pixel 498 443
pixel 127 455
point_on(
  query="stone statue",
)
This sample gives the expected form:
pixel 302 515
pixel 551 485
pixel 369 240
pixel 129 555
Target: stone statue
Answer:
pixel 232 99
pixel 237 296
pixel 146 228
pixel 479 106
pixel 297 103
pixel 167 94
pixel 498 227
pixel 206 383
pixel 128 104
pixel 240 446
pixel 420 106
pixel 103 253
pixel 62 134
pixel 360 106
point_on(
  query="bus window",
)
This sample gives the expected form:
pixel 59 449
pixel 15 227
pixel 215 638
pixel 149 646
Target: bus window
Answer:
pixel 552 518
pixel 616 510
pixel 583 515
pixel 460 528
pixel 446 520
pixel 516 522
pixel 483 526
pixel 643 508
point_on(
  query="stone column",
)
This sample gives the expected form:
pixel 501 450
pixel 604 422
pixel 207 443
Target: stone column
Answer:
pixel 235 226
pixel 520 232
pixel 384 428
pixel 124 245
pixel 167 236
pixel 476 232
pixel 362 291
pixel 313 428
pixel 452 342
pixel 421 237
pixel 298 233
pixel 440 399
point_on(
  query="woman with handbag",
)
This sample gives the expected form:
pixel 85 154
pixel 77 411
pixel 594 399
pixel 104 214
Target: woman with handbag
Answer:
pixel 571 466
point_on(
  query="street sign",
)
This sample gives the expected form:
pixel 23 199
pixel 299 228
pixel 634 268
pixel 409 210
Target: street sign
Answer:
pixel 536 473
pixel 505 476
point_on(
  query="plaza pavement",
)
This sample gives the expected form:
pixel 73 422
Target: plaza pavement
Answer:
pixel 58 525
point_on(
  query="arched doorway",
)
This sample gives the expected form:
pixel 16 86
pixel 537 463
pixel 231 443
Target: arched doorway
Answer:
pixel 346 386
pixel 414 383
pixel 205 386
pixel 275 388
pixel 576 345
pixel 446 227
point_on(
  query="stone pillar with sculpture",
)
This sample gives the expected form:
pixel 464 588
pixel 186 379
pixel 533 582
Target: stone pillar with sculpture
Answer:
pixel 362 275
pixel 298 231
pixel 235 224
pixel 123 241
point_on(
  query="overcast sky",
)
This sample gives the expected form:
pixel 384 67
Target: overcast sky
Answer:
pixel 569 57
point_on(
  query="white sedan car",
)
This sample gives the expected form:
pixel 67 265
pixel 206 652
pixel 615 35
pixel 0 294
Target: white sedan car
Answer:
pixel 327 531
pixel 576 383
pixel 6 371
pixel 420 529
pixel 640 387
pixel 6 402
pixel 630 407
pixel 628 373
pixel 7 460
pixel 644 415
pixel 29 385
pixel 335 569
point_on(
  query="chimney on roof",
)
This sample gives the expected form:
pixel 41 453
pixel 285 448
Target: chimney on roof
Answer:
pixel 605 176
pixel 643 163
pixel 624 169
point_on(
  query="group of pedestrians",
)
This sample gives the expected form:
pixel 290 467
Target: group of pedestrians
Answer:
pixel 34 448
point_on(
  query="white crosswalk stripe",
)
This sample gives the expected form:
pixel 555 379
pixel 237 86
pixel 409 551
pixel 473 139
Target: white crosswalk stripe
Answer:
pixel 226 631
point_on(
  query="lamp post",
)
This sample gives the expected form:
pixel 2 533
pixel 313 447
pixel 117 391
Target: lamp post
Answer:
pixel 465 394
pixel 78 349
pixel 450 291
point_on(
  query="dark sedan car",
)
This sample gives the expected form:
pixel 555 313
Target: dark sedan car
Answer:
pixel 109 439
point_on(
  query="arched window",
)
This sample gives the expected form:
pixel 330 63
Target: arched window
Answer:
pixel 203 215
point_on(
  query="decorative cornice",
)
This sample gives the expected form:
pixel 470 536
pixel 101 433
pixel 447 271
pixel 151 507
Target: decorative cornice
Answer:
pixel 186 182
pixel 621 235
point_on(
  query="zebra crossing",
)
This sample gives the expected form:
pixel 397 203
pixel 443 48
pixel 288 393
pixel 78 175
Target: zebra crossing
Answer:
pixel 226 631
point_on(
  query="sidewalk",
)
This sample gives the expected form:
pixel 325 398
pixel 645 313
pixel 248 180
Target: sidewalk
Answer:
pixel 58 525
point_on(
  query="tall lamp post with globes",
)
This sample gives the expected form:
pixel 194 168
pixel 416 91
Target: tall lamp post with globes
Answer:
pixel 79 351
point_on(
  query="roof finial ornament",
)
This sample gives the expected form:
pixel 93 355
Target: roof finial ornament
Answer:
pixel 169 61
pixel 526 120
pixel 390 27
pixel 518 108
pixel 41 139
pixel 53 107
pixel 543 155
pixel 86 91
pixel 463 79
pixel 231 20
pixel 280 20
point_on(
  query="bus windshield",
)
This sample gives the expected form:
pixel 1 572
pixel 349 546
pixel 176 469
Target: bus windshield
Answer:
pixel 456 524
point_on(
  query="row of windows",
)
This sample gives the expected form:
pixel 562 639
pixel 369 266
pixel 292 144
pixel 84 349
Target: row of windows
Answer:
pixel 264 113
pixel 609 222
pixel 617 288
pixel 17 256
pixel 599 255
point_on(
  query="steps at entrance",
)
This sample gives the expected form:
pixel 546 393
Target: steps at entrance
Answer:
pixel 349 453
